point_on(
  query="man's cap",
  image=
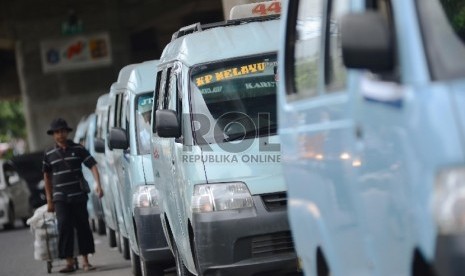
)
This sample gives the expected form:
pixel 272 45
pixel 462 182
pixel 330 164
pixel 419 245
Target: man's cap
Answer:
pixel 58 124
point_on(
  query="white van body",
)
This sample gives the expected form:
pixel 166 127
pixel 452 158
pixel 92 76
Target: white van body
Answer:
pixel 222 233
pixel 115 119
pixel 130 144
pixel 102 110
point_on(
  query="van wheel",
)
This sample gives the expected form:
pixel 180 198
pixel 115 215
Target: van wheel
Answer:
pixel 181 269
pixel 151 269
pixel 101 227
pixel 125 247
pixel 135 264
pixel 111 237
pixel 11 219
pixel 322 265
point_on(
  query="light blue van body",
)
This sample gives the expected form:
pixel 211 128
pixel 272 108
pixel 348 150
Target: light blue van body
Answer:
pixel 94 204
pixel 108 203
pixel 134 170
pixel 116 119
pixel 368 163
pixel 207 236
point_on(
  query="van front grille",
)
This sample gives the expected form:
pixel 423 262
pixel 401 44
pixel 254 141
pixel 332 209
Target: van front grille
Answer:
pixel 275 201
pixel 272 244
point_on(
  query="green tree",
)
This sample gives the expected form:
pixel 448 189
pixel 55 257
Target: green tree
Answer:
pixel 455 11
pixel 12 123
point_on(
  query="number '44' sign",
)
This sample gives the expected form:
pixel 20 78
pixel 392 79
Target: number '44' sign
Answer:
pixel 267 8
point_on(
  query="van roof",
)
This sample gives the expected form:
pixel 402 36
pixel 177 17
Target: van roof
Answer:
pixel 123 77
pixel 248 38
pixel 102 101
pixel 142 77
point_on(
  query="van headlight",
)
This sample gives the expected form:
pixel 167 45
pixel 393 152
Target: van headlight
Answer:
pixel 449 200
pixel 145 196
pixel 220 197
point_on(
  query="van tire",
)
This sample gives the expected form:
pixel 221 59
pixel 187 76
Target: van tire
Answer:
pixel 322 264
pixel 101 227
pixel 125 248
pixel 111 237
pixel 181 269
pixel 11 219
pixel 135 264
pixel 151 269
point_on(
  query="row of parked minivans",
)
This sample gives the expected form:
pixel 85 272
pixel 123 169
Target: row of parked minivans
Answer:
pixel 323 136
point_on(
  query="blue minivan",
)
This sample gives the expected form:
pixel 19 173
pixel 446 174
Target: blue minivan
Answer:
pixel 373 135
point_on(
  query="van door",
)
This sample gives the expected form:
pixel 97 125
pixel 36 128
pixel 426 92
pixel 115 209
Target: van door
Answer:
pixel 164 164
pixel 317 131
pixel 406 136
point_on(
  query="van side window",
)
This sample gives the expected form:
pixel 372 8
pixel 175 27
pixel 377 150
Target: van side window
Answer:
pixel 172 91
pixel 156 94
pixel 118 110
pixel 173 98
pixel 335 73
pixel 443 37
pixel 107 127
pixel 306 52
pixel 166 94
pixel 126 113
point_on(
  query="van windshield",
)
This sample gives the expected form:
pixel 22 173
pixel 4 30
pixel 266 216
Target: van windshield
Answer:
pixel 143 115
pixel 234 99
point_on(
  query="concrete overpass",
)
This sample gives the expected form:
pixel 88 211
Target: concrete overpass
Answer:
pixel 34 33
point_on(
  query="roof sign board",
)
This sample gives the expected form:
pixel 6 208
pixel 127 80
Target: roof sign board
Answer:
pixel 255 10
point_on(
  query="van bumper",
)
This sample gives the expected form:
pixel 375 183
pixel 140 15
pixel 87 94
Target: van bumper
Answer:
pixel 244 242
pixel 152 241
pixel 450 254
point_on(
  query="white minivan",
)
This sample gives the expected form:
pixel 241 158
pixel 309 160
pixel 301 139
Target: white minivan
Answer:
pixel 216 156
pixel 102 110
pixel 116 119
pixel 130 144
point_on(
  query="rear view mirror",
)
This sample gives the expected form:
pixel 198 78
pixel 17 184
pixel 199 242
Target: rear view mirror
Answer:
pixel 167 124
pixel 118 138
pixel 99 145
pixel 366 41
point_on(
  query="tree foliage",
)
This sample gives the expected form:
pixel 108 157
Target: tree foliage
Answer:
pixel 12 123
pixel 455 11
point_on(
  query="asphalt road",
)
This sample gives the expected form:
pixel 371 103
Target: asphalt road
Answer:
pixel 17 257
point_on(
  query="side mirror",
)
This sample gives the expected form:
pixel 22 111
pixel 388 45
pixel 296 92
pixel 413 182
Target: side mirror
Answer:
pixel 366 41
pixel 99 145
pixel 118 138
pixel 167 123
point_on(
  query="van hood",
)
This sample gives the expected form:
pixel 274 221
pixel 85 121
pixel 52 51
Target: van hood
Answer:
pixel 258 165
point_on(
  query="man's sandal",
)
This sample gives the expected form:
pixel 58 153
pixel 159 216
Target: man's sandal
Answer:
pixel 88 267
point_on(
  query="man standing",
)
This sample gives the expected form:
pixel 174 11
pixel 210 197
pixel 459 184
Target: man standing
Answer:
pixel 66 194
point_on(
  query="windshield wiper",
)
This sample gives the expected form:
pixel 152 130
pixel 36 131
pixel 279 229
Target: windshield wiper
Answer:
pixel 252 133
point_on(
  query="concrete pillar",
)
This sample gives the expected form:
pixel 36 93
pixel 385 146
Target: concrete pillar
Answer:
pixel 67 94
